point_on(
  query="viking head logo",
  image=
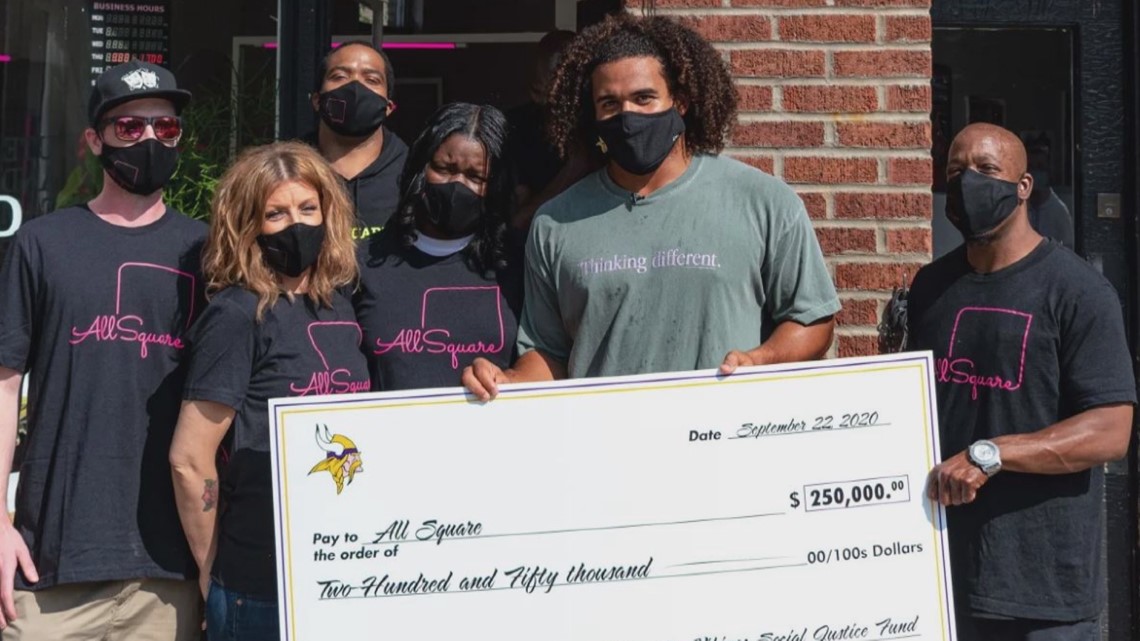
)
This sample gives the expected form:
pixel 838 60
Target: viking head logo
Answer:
pixel 601 144
pixel 342 459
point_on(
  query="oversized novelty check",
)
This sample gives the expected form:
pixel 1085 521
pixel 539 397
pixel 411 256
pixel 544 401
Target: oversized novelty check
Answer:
pixel 778 504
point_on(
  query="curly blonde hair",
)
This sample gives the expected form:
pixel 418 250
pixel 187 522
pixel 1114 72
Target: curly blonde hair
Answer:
pixel 232 256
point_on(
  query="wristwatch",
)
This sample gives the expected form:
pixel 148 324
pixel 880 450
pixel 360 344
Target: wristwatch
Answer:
pixel 986 455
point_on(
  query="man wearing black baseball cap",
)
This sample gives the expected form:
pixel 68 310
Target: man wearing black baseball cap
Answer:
pixel 94 301
pixel 121 95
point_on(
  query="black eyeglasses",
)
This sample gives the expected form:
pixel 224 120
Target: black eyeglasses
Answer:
pixel 132 128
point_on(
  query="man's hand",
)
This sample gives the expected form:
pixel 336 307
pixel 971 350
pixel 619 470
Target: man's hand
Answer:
pixel 735 359
pixel 13 552
pixel 790 342
pixel 955 481
pixel 482 379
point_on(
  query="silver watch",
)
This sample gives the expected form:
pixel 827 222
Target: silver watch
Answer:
pixel 986 455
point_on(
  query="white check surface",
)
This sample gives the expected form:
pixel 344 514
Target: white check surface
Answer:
pixel 782 503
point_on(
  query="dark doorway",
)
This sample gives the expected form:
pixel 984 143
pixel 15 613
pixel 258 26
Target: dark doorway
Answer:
pixel 1020 79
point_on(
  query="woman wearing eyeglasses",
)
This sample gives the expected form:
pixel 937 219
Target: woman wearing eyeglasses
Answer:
pixel 279 249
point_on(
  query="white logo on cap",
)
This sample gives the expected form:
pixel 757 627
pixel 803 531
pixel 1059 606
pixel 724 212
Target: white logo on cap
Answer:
pixel 141 79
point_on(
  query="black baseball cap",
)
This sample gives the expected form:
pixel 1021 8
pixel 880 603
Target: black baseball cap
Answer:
pixel 131 81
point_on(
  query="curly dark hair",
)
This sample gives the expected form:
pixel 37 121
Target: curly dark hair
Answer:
pixel 488 250
pixel 695 73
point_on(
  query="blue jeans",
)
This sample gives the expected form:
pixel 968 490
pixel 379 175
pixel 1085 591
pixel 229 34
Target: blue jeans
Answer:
pixel 234 616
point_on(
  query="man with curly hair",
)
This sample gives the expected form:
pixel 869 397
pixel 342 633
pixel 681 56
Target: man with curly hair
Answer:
pixel 671 257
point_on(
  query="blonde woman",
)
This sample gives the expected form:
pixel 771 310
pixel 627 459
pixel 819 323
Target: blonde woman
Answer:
pixel 280 246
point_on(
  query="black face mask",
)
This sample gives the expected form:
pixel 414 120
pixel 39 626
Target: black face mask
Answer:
pixel 977 204
pixel 143 168
pixel 452 207
pixel 353 110
pixel 294 249
pixel 637 142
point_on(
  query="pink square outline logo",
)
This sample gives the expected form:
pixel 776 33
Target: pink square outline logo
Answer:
pixel 947 372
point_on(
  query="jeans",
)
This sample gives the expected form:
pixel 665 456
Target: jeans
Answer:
pixel 234 616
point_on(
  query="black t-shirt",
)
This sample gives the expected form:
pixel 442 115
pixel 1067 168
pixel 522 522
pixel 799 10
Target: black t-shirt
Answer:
pixel 1016 351
pixel 95 314
pixel 534 160
pixel 375 191
pixel 426 318
pixel 296 349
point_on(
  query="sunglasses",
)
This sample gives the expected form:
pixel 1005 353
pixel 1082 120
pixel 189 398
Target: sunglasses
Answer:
pixel 132 128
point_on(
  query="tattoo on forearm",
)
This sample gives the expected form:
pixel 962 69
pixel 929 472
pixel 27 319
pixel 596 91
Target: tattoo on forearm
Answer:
pixel 210 495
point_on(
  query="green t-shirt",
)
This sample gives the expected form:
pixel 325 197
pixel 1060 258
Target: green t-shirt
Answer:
pixel 617 284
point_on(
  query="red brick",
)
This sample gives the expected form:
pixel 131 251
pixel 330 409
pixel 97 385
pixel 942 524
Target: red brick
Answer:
pixel 910 171
pixel 846 240
pixel 882 3
pixel 779 63
pixel 830 170
pixel 884 206
pixel 766 164
pixel 908 29
pixel 827 28
pixel 836 99
pixel 816 204
pixel 636 4
pixel 888 63
pixel 797 4
pixel 858 312
pixel 857 346
pixel 778 134
pixel 909 241
pixel 730 28
pixel 753 98
pixel 915 98
pixel 877 135
pixel 880 276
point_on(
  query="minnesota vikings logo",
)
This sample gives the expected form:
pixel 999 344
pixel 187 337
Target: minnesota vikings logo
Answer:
pixel 342 459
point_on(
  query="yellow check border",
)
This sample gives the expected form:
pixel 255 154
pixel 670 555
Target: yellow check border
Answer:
pixel 917 364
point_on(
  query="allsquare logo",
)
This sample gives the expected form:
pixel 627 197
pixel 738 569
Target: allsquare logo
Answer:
pixel 988 348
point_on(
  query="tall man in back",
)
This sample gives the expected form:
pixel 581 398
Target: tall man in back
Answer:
pixel 539 171
pixel 671 257
pixel 1035 395
pixel 94 304
pixel 353 101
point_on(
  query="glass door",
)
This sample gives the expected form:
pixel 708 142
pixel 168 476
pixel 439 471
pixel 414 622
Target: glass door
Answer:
pixel 1020 79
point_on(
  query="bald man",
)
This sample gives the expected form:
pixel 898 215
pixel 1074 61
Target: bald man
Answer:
pixel 1035 395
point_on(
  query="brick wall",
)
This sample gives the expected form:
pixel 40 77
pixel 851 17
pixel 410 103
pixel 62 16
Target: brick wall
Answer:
pixel 835 99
